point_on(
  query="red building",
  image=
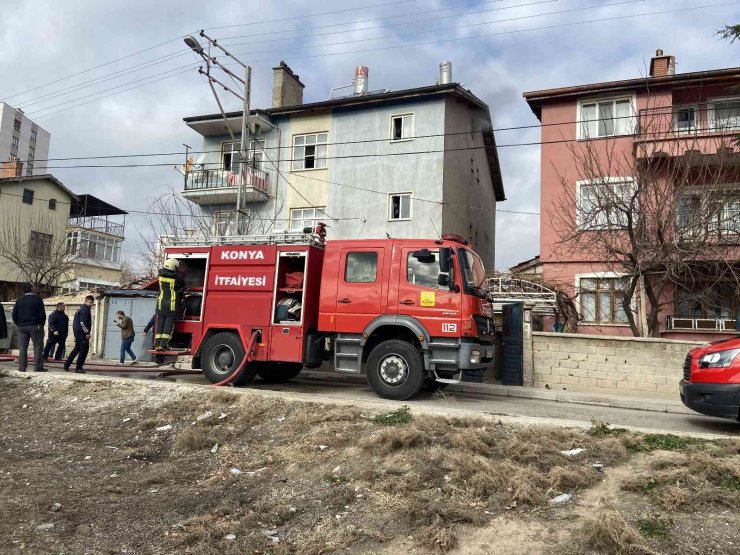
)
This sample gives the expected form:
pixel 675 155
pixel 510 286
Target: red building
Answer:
pixel 601 145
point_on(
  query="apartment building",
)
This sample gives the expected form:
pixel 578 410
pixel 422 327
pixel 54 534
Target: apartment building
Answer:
pixel 95 235
pixel 601 143
pixel 373 163
pixel 22 139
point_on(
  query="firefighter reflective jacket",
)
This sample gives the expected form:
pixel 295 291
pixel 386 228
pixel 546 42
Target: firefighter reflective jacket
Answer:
pixel 171 287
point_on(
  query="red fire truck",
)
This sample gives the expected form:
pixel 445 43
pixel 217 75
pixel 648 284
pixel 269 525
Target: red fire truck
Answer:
pixel 408 311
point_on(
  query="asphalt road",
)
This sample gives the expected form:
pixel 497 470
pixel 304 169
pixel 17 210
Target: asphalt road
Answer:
pixel 534 411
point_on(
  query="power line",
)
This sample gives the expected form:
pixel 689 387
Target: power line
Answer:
pixel 456 27
pixel 333 12
pixel 501 33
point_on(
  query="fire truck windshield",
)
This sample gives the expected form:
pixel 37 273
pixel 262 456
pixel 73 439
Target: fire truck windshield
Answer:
pixel 473 271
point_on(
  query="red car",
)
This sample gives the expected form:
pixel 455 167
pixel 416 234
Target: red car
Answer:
pixel 711 379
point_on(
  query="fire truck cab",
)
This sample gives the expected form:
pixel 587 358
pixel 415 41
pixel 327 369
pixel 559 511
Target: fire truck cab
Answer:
pixel 409 312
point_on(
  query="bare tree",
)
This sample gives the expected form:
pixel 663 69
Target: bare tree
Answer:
pixel 663 212
pixel 36 252
pixel 170 216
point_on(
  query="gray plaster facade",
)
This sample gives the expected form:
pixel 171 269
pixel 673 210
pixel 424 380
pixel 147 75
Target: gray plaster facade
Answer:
pixel 30 143
pixel 447 163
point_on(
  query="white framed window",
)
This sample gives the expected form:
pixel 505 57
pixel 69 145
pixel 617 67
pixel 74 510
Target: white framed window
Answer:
pixel 600 297
pixel 603 204
pixel 402 127
pixel 309 151
pixel 724 114
pixel 711 211
pixel 399 206
pixel 257 153
pixel 230 156
pixel 301 218
pixel 223 222
pixel 606 117
pixel 686 119
pixel 94 246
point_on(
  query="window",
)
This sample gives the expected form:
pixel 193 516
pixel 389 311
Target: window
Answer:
pixel 230 156
pixel 402 127
pixel 685 119
pixel 601 300
pixel 301 218
pixel 94 246
pixel 399 206
pixel 29 168
pixel 718 213
pixel 606 118
pixel 34 135
pixel 604 204
pixel 257 153
pixel 31 153
pixel 27 196
pixel 17 125
pixel 707 300
pixel 223 222
pixel 724 114
pixel 309 151
pixel 15 142
pixel 361 267
pixel 39 245
pixel 424 271
pixel 52 204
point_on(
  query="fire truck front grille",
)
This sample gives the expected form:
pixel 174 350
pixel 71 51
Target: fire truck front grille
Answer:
pixel 687 368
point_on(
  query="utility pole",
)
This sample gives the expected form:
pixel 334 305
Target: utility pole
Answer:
pixel 212 61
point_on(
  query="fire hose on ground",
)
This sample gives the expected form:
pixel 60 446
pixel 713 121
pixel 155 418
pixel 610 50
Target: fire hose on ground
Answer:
pixel 109 368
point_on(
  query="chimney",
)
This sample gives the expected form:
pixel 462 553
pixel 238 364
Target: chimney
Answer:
pixel 360 82
pixel 12 168
pixel 662 65
pixel 287 89
pixel 445 73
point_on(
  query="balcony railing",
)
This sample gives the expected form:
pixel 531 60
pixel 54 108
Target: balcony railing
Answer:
pixel 685 121
pixel 96 223
pixel 199 180
pixel 677 323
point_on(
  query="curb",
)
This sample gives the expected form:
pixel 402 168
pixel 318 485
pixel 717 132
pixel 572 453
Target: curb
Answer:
pixel 634 403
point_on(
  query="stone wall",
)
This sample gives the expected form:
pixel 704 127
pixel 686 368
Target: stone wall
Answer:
pixel 629 366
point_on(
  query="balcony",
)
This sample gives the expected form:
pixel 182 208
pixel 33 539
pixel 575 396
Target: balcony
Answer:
pixel 699 134
pixel 220 186
pixel 677 323
pixel 99 224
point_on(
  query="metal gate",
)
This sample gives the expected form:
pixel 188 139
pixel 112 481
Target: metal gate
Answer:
pixel 513 342
pixel 140 310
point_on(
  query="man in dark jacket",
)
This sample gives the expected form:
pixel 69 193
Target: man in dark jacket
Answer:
pixel 81 327
pixel 58 330
pixel 29 315
pixel 3 324
pixel 171 287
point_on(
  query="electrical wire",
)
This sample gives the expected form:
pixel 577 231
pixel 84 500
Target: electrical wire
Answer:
pixel 655 112
pixel 500 33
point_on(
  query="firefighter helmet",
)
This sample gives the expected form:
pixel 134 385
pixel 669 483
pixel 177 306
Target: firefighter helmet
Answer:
pixel 172 264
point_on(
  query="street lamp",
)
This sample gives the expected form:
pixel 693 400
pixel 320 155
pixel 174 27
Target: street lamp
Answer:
pixel 194 45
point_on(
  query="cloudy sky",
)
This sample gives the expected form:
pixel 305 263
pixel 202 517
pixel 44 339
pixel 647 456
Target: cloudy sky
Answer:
pixel 498 48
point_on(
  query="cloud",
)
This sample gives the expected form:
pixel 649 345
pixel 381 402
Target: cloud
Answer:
pixel 46 40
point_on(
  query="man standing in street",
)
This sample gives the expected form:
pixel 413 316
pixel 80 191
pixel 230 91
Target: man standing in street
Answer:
pixel 171 287
pixel 127 336
pixel 58 330
pixel 81 326
pixel 29 315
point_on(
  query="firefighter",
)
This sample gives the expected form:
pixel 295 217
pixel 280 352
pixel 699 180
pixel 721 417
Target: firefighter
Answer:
pixel 171 287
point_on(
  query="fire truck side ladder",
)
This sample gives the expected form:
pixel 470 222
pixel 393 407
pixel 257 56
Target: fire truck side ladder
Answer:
pixel 276 238
pixel 348 353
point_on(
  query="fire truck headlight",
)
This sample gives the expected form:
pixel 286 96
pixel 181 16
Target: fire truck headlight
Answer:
pixel 474 357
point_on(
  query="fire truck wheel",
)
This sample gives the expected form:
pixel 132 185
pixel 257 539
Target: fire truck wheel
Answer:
pixel 279 372
pixel 395 370
pixel 221 357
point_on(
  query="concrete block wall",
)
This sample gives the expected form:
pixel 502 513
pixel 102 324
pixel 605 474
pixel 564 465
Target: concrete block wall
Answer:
pixel 628 366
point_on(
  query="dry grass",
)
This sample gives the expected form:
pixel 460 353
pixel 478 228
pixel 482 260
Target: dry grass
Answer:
pixel 609 532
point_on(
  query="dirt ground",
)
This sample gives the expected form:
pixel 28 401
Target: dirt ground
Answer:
pixel 129 467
